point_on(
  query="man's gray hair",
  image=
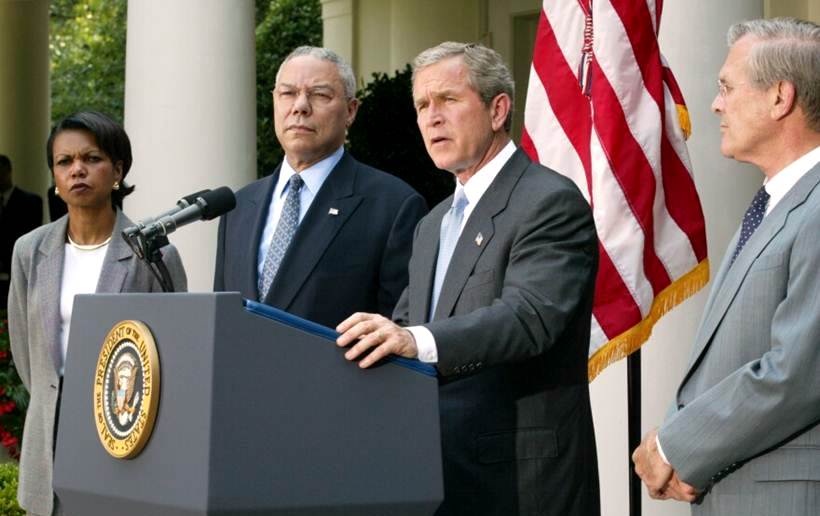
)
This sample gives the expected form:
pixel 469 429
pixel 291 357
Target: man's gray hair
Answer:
pixel 325 54
pixel 789 51
pixel 488 73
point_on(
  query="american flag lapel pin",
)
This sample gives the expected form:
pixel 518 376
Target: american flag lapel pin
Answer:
pixel 333 211
pixel 478 239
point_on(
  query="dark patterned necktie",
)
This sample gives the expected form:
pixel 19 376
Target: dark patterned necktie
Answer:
pixel 752 219
pixel 285 229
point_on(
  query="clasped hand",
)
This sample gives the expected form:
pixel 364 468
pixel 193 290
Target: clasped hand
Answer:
pixel 659 477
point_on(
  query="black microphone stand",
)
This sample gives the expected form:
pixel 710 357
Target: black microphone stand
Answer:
pixel 148 250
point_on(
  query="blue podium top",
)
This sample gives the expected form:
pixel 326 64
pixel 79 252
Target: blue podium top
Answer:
pixel 330 334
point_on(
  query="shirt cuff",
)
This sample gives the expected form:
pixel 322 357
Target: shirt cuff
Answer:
pixel 660 450
pixel 425 343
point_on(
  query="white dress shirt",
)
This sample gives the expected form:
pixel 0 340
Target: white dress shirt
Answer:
pixel 778 186
pixel 313 177
pixel 474 189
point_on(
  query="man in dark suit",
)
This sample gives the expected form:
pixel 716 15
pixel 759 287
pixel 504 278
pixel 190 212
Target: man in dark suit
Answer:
pixel 324 235
pixel 500 298
pixel 20 212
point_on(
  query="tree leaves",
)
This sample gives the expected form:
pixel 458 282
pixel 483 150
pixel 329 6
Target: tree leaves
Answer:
pixel 87 47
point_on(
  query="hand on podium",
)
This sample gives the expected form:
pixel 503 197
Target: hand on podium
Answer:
pixel 376 333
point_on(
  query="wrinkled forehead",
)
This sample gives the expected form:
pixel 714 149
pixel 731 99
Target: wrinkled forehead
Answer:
pixel 309 72
pixel 735 66
pixel 447 74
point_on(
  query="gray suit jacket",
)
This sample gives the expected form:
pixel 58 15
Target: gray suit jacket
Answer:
pixel 512 331
pixel 745 422
pixel 34 329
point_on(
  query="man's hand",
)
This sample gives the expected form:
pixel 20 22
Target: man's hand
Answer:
pixel 660 478
pixel 649 465
pixel 677 489
pixel 377 332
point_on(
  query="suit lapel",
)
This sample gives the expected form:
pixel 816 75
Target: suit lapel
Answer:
pixel 50 270
pixel 468 249
pixel 115 267
pixel 731 278
pixel 316 231
pixel 425 253
pixel 253 216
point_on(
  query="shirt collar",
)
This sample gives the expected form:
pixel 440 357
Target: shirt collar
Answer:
pixel 483 178
pixel 778 186
pixel 313 176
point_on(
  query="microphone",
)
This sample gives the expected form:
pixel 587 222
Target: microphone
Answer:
pixel 132 231
pixel 207 206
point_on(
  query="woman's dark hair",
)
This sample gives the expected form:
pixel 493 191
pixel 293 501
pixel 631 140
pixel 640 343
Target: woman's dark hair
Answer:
pixel 110 137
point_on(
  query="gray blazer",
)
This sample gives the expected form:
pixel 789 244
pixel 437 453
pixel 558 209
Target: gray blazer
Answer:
pixel 745 422
pixel 34 329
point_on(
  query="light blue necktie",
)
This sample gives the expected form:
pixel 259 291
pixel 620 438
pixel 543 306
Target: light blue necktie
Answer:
pixel 450 231
pixel 285 229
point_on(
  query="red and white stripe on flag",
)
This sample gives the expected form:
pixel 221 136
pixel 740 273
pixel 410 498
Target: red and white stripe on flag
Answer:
pixel 604 109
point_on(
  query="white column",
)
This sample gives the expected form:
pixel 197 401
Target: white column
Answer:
pixel 338 28
pixel 190 109
pixel 693 39
pixel 24 91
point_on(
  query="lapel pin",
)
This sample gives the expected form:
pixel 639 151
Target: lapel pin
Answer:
pixel 333 211
pixel 478 239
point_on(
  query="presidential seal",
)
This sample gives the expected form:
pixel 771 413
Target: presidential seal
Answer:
pixel 126 389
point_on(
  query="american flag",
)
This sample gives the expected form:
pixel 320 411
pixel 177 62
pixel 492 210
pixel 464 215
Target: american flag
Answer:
pixel 604 109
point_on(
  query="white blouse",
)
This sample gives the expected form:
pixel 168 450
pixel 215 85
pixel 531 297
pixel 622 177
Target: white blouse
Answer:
pixel 81 273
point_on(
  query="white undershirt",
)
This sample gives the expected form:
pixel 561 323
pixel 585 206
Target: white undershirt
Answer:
pixel 81 273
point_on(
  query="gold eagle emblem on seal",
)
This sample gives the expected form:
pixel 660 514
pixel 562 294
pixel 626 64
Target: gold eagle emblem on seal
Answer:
pixel 126 389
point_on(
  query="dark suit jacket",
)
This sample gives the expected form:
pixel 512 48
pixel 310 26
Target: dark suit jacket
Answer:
pixel 22 213
pixel 336 264
pixel 512 332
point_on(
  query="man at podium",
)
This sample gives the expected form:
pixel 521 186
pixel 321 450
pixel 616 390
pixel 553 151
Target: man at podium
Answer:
pixel 324 235
pixel 500 298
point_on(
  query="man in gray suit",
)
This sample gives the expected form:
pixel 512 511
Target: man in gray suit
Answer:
pixel 500 299
pixel 742 436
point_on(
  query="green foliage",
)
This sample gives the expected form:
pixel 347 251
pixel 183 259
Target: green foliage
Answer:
pixel 8 491
pixel 87 46
pixel 385 135
pixel 285 25
pixel 13 396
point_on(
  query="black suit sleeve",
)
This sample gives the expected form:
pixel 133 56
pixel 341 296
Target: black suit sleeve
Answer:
pixel 393 270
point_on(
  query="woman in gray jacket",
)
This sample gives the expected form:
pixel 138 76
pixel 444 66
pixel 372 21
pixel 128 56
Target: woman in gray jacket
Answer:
pixel 89 155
